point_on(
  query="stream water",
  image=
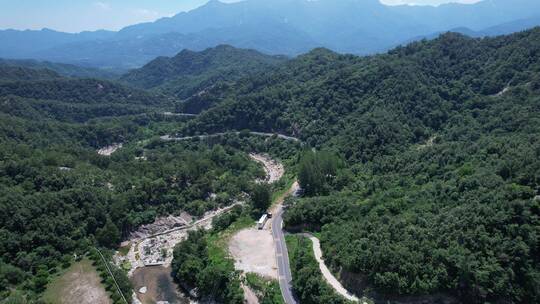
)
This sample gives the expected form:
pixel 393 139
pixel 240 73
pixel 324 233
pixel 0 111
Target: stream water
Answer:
pixel 160 286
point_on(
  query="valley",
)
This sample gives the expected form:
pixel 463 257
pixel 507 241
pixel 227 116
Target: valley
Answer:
pixel 150 248
pixel 228 175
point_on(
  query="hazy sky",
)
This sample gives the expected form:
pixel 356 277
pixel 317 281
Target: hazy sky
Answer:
pixel 79 15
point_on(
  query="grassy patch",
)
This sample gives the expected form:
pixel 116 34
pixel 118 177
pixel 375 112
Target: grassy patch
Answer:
pixel 292 245
pixel 123 251
pixel 284 184
pixel 267 291
pixel 61 289
pixel 217 242
pixel 126 265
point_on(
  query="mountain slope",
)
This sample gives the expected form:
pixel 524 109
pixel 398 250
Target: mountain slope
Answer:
pixel 190 72
pixel 67 70
pixel 24 44
pixel 42 94
pixel 353 81
pixel 15 73
pixel 442 141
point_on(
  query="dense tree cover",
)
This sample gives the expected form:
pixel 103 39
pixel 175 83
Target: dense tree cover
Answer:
pixel 261 196
pixel 442 137
pixel 311 213
pixel 119 276
pixel 14 73
pixel 67 111
pixel 54 202
pixel 88 91
pixel 267 291
pixel 308 284
pixel 367 106
pixel 43 94
pixel 59 197
pixel 318 172
pixel 63 69
pixel 456 214
pixel 189 73
pixel 193 266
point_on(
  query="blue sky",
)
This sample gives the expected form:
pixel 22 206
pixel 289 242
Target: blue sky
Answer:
pixel 79 15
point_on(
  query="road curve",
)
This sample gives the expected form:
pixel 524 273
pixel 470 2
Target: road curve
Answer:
pixel 282 256
pixel 327 274
pixel 281 136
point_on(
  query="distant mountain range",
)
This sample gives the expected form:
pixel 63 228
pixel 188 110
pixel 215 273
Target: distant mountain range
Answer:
pixel 501 29
pixel 288 27
pixel 190 72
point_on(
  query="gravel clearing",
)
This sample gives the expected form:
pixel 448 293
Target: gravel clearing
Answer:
pixel 253 251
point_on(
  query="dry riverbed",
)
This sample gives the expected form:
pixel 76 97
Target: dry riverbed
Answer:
pixel 150 248
pixel 274 169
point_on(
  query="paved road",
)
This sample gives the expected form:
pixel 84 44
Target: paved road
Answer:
pixel 282 256
pixel 281 136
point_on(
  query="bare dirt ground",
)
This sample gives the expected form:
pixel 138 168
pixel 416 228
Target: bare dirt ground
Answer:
pixel 109 150
pixel 253 251
pixel 249 295
pixel 80 284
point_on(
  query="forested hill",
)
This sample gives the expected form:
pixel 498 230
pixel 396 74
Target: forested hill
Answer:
pixel 40 94
pixel 442 141
pixel 14 73
pixel 63 69
pixel 368 105
pixel 190 72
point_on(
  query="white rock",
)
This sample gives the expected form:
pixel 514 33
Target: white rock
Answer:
pixel 143 290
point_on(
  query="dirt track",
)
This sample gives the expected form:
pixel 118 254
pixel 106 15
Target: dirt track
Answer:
pixel 328 276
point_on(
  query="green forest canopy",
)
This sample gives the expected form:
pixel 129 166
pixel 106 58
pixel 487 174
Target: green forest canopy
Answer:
pixel 433 165
pixel 442 138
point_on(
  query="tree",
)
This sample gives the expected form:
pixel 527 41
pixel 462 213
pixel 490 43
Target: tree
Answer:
pixel 318 171
pixel 261 197
pixel 109 235
pixel 41 279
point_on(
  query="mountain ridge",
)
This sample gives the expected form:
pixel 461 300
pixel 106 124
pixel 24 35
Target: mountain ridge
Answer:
pixel 273 27
pixel 189 72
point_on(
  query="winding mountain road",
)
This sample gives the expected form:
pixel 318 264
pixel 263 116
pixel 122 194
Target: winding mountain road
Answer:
pixel 281 136
pixel 282 256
